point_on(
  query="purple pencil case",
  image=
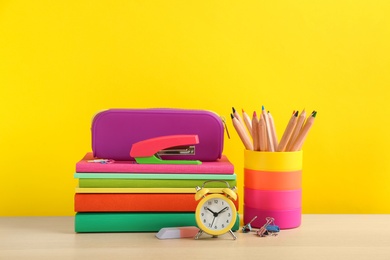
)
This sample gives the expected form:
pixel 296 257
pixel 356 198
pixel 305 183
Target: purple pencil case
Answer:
pixel 114 131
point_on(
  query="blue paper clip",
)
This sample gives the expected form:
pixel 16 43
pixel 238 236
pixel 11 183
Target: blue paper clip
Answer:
pixel 273 228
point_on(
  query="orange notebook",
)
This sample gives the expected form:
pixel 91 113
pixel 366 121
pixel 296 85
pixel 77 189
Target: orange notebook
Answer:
pixel 136 202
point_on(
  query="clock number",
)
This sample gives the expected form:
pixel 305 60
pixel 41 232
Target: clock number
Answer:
pixel 215 227
pixel 216 201
pixel 227 221
pixel 223 225
pixel 209 202
pixel 202 214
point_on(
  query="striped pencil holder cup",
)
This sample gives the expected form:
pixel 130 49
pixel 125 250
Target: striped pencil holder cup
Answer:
pixel 273 188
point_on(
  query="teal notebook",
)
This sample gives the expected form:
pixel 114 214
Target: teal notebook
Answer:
pixel 134 221
pixel 155 176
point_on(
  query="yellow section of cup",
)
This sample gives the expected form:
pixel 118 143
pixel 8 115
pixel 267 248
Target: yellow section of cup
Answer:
pixel 273 161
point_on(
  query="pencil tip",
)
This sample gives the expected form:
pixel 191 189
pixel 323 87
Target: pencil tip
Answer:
pixel 254 114
pixel 231 115
pixel 296 113
pixel 234 110
pixel 242 110
pixel 314 114
pixel 262 108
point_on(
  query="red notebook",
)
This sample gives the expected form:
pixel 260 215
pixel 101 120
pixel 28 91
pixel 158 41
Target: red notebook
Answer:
pixel 221 166
pixel 137 202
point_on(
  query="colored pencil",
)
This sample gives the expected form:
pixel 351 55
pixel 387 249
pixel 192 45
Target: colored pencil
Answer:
pixel 270 144
pixel 237 115
pixel 297 129
pixel 255 132
pixel 262 134
pixel 241 133
pixel 241 121
pixel 248 122
pixel 304 132
pixel 287 132
pixel 273 130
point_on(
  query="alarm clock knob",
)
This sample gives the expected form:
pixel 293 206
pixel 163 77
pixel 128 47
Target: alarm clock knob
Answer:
pixel 230 192
pixel 200 192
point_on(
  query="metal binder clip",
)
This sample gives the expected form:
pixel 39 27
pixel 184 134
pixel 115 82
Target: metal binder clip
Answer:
pixel 248 228
pixel 267 229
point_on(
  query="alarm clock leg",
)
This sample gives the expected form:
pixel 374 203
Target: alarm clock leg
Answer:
pixel 199 234
pixel 233 235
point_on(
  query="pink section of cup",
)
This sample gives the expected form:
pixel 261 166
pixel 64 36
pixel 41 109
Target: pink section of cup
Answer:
pixel 285 219
pixel 272 200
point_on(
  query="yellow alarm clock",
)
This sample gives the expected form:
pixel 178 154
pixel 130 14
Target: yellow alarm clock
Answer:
pixel 216 213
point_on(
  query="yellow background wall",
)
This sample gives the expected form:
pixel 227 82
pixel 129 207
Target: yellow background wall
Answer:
pixel 62 61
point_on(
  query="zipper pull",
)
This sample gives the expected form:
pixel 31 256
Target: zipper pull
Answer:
pixel 225 125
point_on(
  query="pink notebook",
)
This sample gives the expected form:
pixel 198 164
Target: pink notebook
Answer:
pixel 220 166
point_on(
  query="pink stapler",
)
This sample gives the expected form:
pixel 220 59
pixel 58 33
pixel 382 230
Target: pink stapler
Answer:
pixel 148 151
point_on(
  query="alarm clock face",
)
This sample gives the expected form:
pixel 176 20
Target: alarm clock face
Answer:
pixel 216 214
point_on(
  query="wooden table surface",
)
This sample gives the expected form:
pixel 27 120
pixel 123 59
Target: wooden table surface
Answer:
pixel 326 237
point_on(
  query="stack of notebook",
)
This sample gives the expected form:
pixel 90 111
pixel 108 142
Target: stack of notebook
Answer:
pixel 123 196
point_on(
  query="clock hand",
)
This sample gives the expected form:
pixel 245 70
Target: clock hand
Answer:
pixel 212 222
pixel 214 213
pixel 222 210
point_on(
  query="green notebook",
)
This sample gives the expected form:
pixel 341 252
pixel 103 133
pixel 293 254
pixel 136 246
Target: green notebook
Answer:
pixel 135 221
pixel 136 183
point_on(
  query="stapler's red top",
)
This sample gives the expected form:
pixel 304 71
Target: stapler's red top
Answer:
pixel 151 146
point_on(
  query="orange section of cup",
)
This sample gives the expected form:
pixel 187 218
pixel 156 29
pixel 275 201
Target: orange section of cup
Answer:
pixel 265 180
